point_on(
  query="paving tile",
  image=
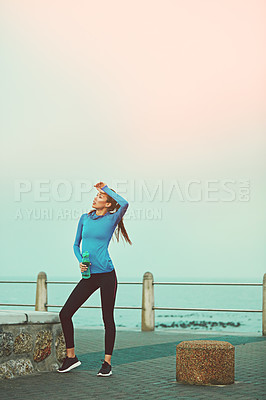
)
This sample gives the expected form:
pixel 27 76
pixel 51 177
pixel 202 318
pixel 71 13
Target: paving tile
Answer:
pixel 143 365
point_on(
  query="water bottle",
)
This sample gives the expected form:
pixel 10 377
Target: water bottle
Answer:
pixel 86 261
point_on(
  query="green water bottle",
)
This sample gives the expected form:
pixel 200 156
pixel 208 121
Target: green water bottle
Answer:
pixel 86 261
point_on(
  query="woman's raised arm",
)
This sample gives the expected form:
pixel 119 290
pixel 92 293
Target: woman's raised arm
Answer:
pixel 119 199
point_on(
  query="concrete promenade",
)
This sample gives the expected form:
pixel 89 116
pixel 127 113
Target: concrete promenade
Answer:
pixel 143 365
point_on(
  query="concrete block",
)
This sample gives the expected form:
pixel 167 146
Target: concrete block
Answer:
pixel 205 362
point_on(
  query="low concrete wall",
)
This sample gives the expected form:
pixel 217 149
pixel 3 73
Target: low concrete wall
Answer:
pixel 30 342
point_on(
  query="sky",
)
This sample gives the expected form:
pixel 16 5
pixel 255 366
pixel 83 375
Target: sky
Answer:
pixel 162 100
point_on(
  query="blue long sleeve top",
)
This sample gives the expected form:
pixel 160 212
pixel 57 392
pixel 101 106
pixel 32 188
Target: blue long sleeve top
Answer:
pixel 96 231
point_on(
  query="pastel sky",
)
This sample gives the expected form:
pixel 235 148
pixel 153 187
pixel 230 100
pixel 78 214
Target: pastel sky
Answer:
pixel 135 92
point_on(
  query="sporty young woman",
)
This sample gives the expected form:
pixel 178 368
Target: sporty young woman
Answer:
pixel 96 229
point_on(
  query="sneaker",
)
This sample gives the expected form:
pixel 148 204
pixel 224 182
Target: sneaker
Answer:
pixel 106 369
pixel 68 364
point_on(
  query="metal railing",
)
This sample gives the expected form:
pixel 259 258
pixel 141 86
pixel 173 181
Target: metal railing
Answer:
pixel 148 308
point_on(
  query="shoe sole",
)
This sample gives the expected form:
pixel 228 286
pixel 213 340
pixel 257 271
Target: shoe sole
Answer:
pixel 71 367
pixel 100 374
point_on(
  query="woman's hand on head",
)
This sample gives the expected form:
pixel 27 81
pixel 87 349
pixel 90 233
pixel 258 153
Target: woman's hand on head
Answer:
pixel 99 185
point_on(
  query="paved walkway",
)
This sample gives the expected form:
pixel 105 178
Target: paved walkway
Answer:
pixel 143 365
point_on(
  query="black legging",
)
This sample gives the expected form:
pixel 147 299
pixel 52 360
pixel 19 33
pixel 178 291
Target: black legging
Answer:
pixel 107 281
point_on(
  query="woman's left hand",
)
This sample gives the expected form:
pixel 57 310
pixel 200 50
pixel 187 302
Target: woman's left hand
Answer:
pixel 99 185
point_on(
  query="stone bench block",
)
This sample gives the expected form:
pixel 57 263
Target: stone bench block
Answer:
pixel 42 317
pixel 30 341
pixel 12 317
pixel 8 317
pixel 205 362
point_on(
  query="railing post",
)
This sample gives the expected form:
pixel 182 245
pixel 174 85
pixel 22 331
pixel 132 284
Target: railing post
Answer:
pixel 41 292
pixel 264 306
pixel 147 315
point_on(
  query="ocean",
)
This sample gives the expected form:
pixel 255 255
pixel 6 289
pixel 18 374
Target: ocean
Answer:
pixel 225 297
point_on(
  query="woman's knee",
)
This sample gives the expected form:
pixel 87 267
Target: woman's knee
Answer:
pixel 109 321
pixel 63 315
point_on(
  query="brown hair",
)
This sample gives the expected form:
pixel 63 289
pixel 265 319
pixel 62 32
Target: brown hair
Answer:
pixel 120 226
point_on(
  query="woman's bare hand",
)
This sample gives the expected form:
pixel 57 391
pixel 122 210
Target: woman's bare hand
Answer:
pixel 99 185
pixel 83 267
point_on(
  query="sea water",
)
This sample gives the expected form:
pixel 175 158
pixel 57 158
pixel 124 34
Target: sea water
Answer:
pixel 180 296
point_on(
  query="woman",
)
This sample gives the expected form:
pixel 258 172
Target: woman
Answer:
pixel 96 229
